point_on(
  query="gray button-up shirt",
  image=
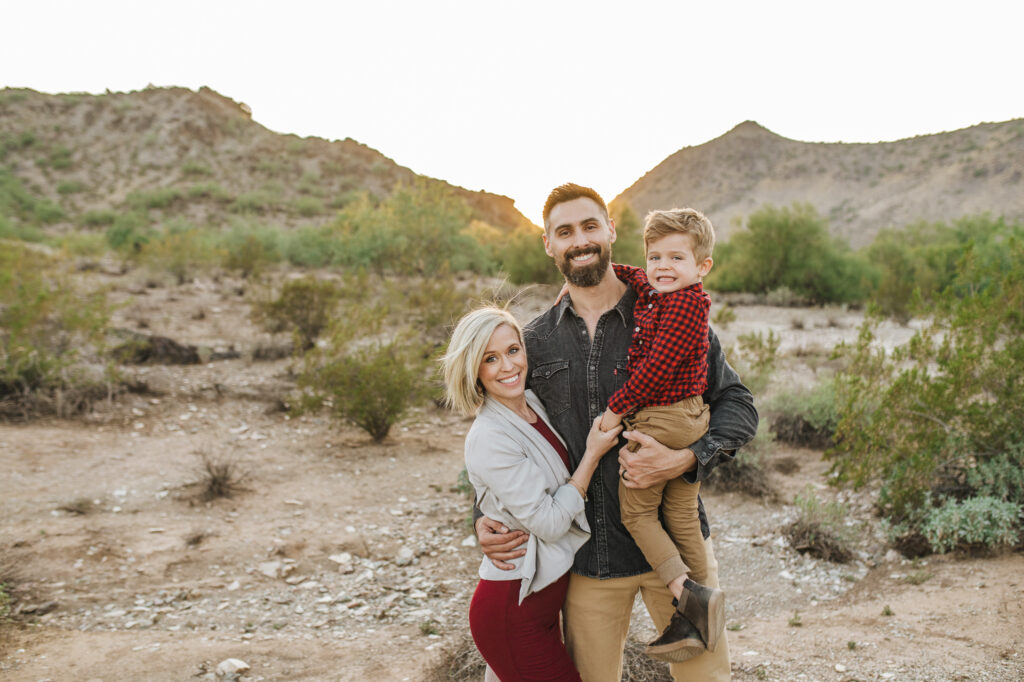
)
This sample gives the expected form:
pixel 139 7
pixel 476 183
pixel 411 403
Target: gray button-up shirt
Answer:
pixel 575 376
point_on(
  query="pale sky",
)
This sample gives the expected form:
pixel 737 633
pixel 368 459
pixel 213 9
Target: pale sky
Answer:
pixel 516 97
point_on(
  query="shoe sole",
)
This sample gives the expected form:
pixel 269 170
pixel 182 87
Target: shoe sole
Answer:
pixel 716 618
pixel 676 652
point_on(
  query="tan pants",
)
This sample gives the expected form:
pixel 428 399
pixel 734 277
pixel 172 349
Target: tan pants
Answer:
pixel 597 612
pixel 677 547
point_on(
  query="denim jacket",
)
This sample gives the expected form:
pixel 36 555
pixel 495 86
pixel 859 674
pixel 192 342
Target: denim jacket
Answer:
pixel 574 376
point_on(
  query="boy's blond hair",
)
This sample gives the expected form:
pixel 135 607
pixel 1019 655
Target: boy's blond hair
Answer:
pixel 689 221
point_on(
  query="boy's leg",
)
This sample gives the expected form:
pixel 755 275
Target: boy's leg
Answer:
pixel 682 521
pixel 596 616
pixel 711 665
pixel 638 508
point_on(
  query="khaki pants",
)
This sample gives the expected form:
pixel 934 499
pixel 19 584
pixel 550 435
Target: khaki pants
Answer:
pixel 677 547
pixel 597 612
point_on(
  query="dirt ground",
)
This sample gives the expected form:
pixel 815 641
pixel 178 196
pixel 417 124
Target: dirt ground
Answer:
pixel 341 559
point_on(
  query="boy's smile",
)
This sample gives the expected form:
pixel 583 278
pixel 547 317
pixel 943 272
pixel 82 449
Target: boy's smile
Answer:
pixel 671 265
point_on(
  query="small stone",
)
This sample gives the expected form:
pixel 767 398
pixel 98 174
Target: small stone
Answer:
pixel 470 541
pixel 893 555
pixel 840 668
pixel 271 569
pixel 234 586
pixel 231 666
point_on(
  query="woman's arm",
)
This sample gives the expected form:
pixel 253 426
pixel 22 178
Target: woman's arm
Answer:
pixel 500 466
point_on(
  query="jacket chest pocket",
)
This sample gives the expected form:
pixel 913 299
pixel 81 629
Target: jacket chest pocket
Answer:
pixel 551 383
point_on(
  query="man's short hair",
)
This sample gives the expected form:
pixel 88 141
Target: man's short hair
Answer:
pixel 461 364
pixel 689 221
pixel 568 192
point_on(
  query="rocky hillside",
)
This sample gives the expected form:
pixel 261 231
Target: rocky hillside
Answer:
pixel 200 151
pixel 860 188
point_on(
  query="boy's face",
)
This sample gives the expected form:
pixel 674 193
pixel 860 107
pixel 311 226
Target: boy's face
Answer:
pixel 671 265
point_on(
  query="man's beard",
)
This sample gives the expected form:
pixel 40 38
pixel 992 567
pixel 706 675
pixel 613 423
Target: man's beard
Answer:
pixel 588 275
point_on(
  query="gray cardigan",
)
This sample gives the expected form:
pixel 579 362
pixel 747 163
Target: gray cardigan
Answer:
pixel 521 481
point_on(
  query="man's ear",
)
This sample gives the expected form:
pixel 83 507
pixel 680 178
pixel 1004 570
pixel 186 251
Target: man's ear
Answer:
pixel 611 230
pixel 547 247
pixel 705 267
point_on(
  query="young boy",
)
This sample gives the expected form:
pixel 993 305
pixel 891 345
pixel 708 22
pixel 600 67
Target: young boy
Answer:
pixel 662 398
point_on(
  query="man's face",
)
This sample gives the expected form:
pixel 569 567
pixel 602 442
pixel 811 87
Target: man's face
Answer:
pixel 579 238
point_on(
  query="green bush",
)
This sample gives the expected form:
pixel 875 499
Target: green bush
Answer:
pixel 790 247
pixel 941 417
pixel 46 326
pixel 746 473
pixel 209 191
pixel 70 187
pixel 180 250
pixel 129 232
pixel 248 249
pixel 19 207
pixel 754 356
pixel 58 158
pixel 308 207
pixel 917 263
pixel 807 418
pixel 163 197
pixel 100 218
pixel 977 522
pixel 820 528
pixel 304 306
pixel 195 168
pixel 629 237
pixel 371 387
pixel 523 259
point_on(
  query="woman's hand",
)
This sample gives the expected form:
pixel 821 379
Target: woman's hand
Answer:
pixel 598 441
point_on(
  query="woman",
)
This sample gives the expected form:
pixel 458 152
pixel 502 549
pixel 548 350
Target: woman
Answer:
pixel 519 468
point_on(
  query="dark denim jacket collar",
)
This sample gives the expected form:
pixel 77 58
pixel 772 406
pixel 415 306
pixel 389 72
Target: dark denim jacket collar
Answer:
pixel 624 307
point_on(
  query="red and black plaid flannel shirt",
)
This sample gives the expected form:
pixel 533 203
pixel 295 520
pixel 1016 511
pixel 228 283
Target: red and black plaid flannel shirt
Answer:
pixel 668 357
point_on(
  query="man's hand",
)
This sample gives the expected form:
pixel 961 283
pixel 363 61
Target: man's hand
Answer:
pixel 498 543
pixel 652 462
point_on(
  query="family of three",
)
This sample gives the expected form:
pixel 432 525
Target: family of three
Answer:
pixel 570 531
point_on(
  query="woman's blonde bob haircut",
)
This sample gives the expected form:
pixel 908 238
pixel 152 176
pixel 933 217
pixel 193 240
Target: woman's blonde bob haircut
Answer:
pixel 461 364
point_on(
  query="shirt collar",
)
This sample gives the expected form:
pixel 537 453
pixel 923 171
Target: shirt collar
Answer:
pixel 623 307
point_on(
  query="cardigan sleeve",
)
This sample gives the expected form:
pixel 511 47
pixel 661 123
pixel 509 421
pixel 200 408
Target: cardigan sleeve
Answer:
pixel 499 465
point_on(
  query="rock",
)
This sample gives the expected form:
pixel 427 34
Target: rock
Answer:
pixel 893 555
pixel 231 666
pixel 405 557
pixel 840 668
pixel 271 569
pixel 470 541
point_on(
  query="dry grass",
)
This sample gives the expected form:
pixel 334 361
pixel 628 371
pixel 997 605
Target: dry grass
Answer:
pixel 80 506
pixel 218 477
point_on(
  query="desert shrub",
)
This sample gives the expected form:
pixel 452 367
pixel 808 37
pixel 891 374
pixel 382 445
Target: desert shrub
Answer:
pixel 790 247
pixel 917 263
pixel 129 232
pixel 70 187
pixel 416 230
pixel 18 206
pixel 218 477
pixel 807 418
pixel 314 246
pixel 249 249
pixel 746 473
pixel 195 168
pixel 163 197
pixel 433 304
pixel 259 201
pixel 820 529
pixel 304 306
pixel 371 386
pixel 523 259
pixel 46 329
pixel 977 522
pixel 724 316
pixel 308 207
pixel 180 250
pixel 754 356
pixel 629 237
pixel 83 244
pixel 99 218
pixel 58 158
pixel 941 417
pixel 209 190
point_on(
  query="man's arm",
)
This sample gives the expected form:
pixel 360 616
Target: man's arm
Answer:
pixel 733 424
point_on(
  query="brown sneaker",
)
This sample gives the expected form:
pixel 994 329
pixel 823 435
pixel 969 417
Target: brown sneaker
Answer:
pixel 679 642
pixel 705 608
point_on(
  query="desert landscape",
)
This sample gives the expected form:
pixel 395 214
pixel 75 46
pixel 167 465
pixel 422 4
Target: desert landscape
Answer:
pixel 339 558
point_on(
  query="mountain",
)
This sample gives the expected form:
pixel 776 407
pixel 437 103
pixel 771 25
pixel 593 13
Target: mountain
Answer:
pixel 201 150
pixel 860 188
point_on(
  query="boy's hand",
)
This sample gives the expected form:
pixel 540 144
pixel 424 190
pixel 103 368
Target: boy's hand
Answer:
pixel 562 294
pixel 609 420
pixel 498 543
pixel 652 462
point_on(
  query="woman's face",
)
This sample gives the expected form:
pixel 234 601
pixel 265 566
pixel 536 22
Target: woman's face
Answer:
pixel 503 368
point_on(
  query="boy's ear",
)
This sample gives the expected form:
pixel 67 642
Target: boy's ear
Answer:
pixel 705 267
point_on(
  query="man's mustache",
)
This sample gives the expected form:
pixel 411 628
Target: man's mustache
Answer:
pixel 582 251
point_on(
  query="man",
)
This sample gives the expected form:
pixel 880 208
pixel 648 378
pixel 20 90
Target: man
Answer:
pixel 577 354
